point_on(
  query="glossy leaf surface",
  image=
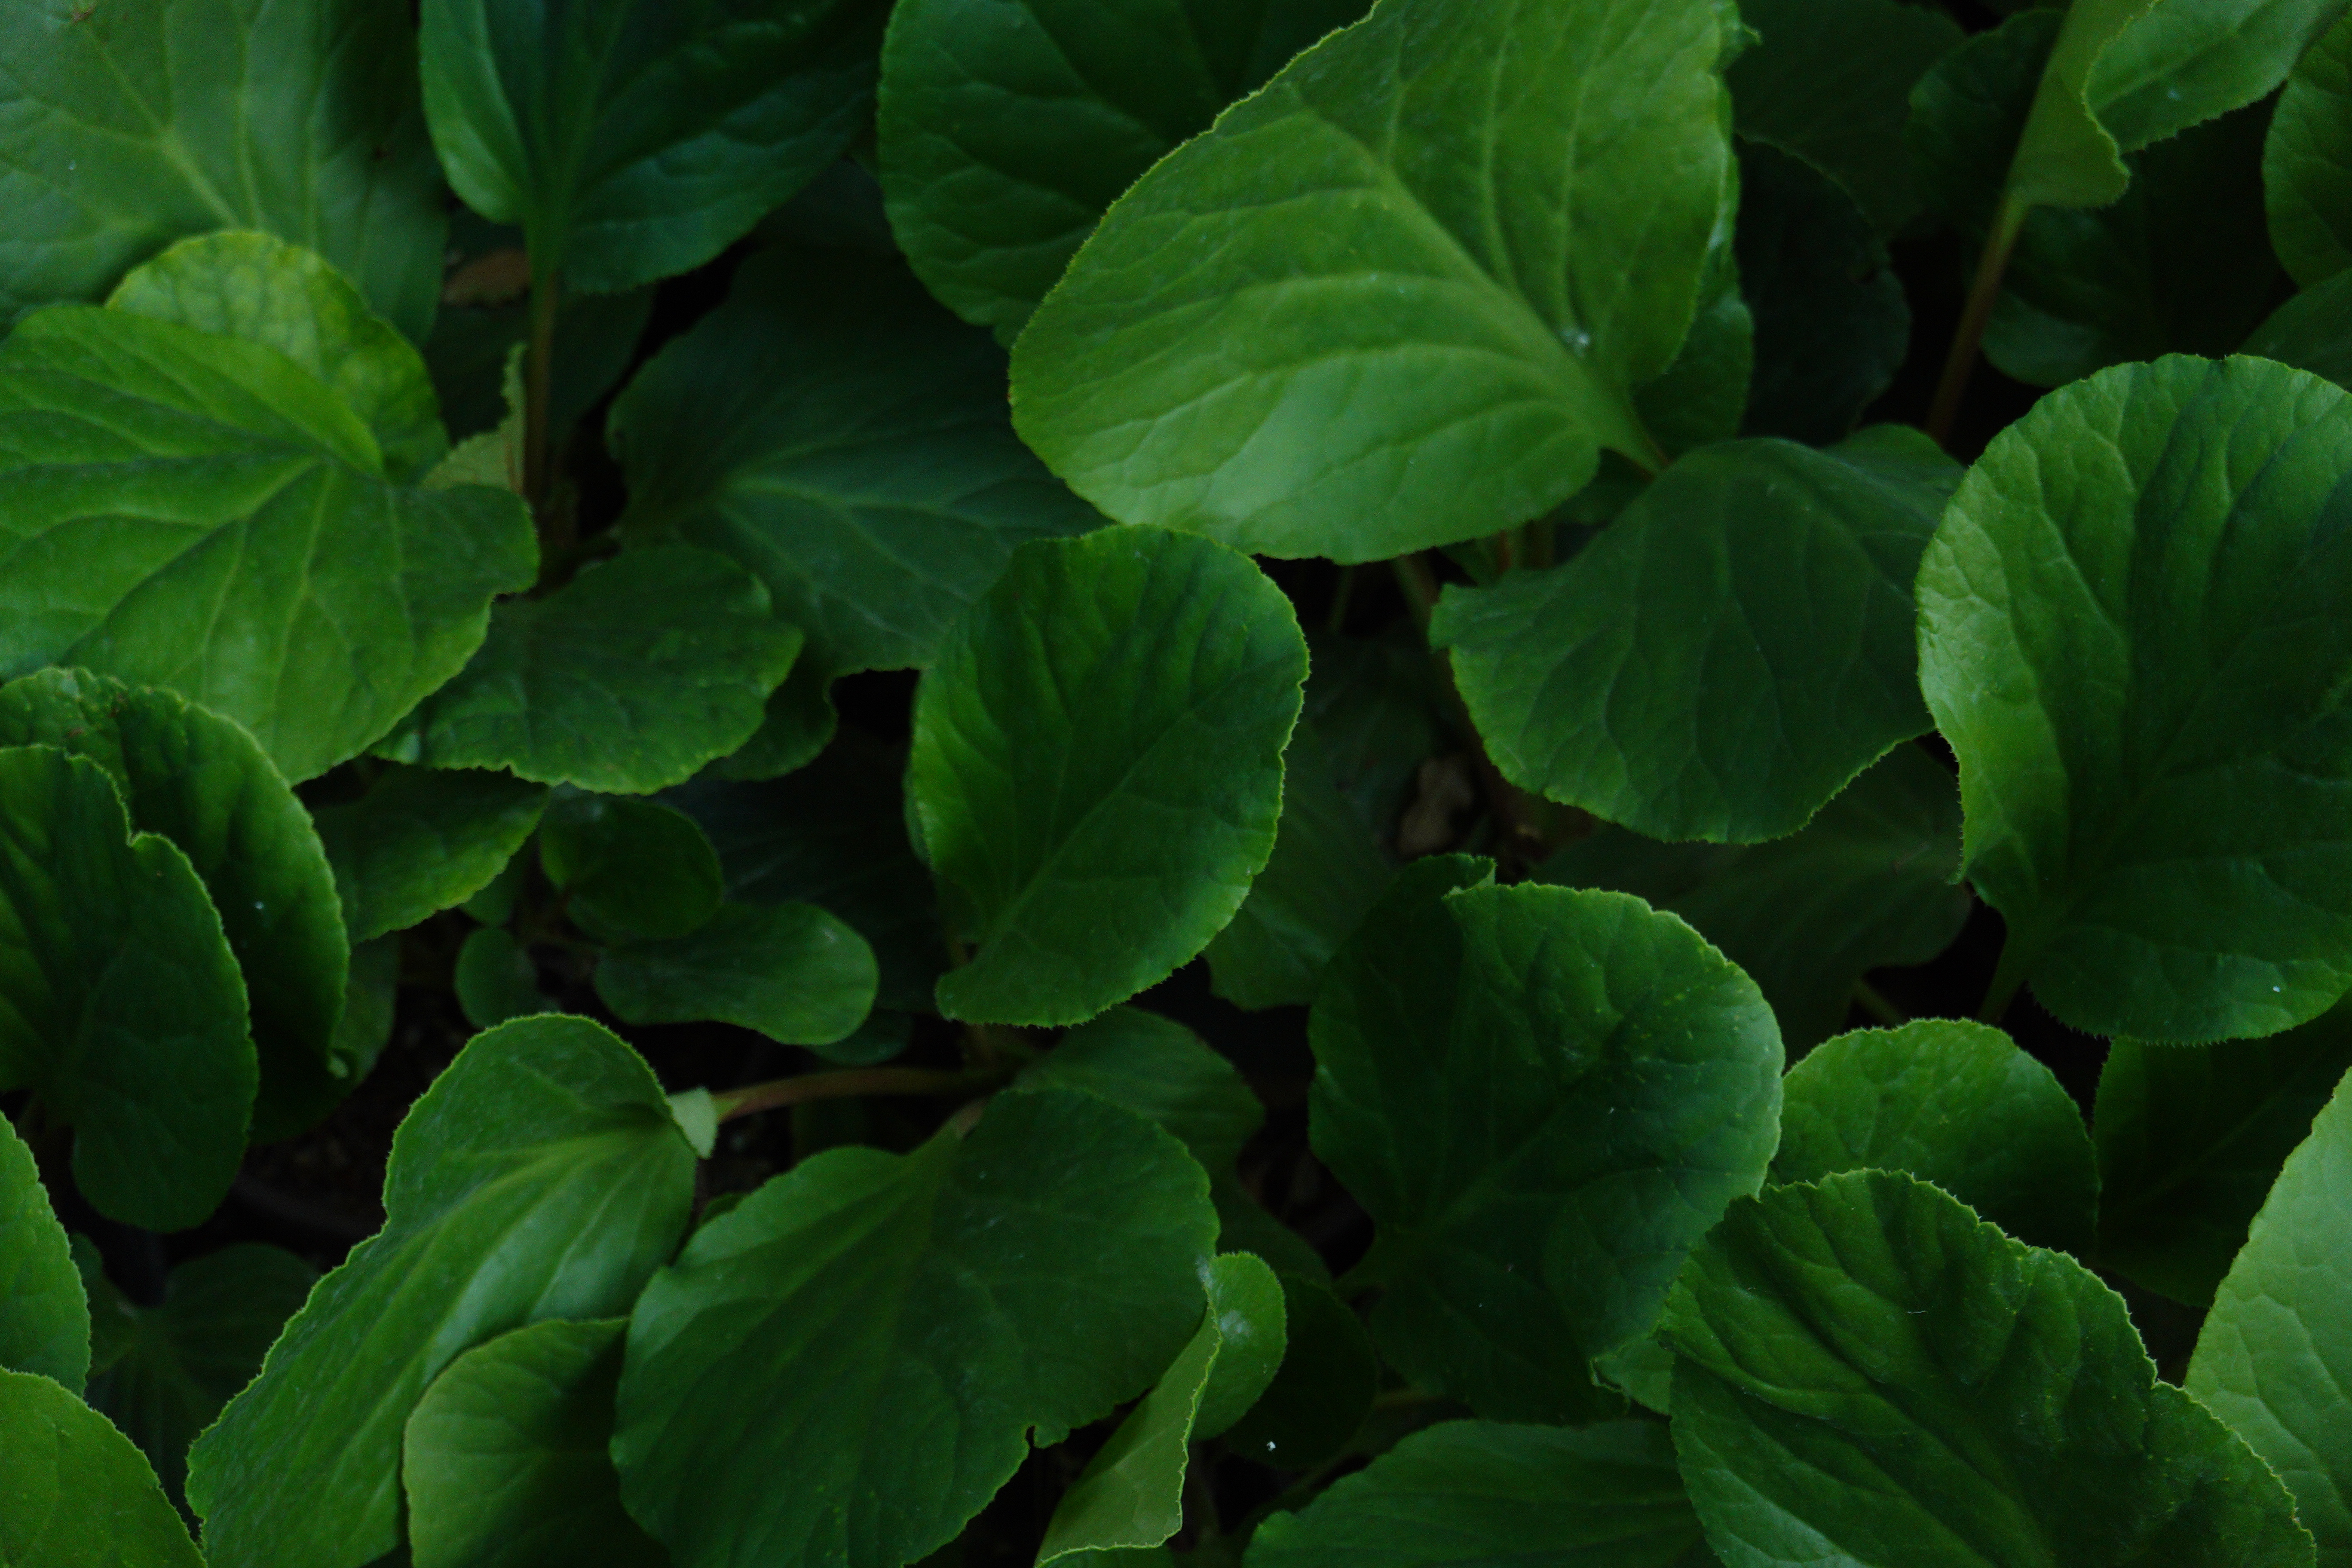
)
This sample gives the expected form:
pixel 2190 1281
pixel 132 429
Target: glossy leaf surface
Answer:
pixel 44 1319
pixel 1324 1388
pixel 423 840
pixel 790 971
pixel 63 1457
pixel 1402 296
pixel 1097 766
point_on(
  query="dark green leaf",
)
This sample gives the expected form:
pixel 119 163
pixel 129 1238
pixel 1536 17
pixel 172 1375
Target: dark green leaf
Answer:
pixel 879 1329
pixel 2191 1138
pixel 1968 112
pixel 505 1460
pixel 1831 81
pixel 628 678
pixel 196 511
pixel 847 441
pixel 124 1010
pixel 1377 705
pixel 44 1319
pixel 423 840
pixel 629 868
pixel 1006 130
pixel 1325 1386
pixel 163 120
pixel 2307 162
pixel 1701 397
pixel 634 139
pixel 162 1373
pixel 2312 332
pixel 1869 1374
pixel 1470 1493
pixel 2270 1359
pixel 1401 297
pixel 1509 1079
pixel 790 971
pixel 78 1494
pixel 480 326
pixel 1247 1313
pixel 798 722
pixel 1868 882
pixel 543 1177
pixel 2128 635
pixel 201 782
pixel 497 982
pixel 1953 1103
pixel 1097 766
pixel 1728 655
pixel 369 1003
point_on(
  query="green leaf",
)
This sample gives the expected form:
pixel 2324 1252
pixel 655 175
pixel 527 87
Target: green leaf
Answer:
pixel 370 1002
pixel 2190 1140
pixel 629 868
pixel 260 289
pixel 199 781
pixel 798 722
pixel 1402 296
pixel 628 678
pixel 1511 1081
pixel 44 1319
pixel 877 1328
pixel 505 1460
pixel 1131 1494
pixel 1006 130
pixel 1728 656
pixel 1968 112
pixel 847 441
pixel 1377 706
pixel 1953 1103
pixel 541 1176
pixel 1474 1492
pixel 630 140
pixel 1832 324
pixel 790 970
pixel 2307 162
pixel 163 1372
pixel 1831 82
pixel 2130 645
pixel 2271 1358
pixel 423 840
pixel 1868 882
pixel 1869 1374
pixel 124 1010
pixel 1097 766
pixel 1324 1388
pixel 596 336
pixel 1701 397
pixel 1325 872
pixel 2312 332
pixel 196 511
pixel 78 1495
pixel 497 982
pixel 134 127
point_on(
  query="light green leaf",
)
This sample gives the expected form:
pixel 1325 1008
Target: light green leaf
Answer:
pixel 1245 1311
pixel 2272 1357
pixel 630 140
pixel 258 287
pixel 200 512
pixel 877 1328
pixel 201 782
pixel 1006 130
pixel 124 1010
pixel 847 441
pixel 1868 1373
pixel 78 1494
pixel 505 1460
pixel 1728 656
pixel 792 971
pixel 2191 1138
pixel 1830 81
pixel 1953 1103
pixel 2131 645
pixel 628 678
pixel 1472 1493
pixel 629 868
pixel 541 1176
pixel 44 1319
pixel 1325 872
pixel 423 840
pixel 1868 882
pixel 2307 162
pixel 163 1372
pixel 495 981
pixel 1543 1098
pixel 166 120
pixel 1402 296
pixel 1097 766
pixel 1324 1388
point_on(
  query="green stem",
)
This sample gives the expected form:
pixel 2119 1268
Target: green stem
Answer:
pixel 854 1082
pixel 1340 599
pixel 2008 979
pixel 1419 586
pixel 1960 362
pixel 539 390
pixel 1867 997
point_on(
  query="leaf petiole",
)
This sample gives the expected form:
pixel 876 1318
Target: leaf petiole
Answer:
pixel 808 1086
pixel 2008 220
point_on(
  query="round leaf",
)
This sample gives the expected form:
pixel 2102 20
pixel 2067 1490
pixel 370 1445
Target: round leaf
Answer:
pixel 78 1494
pixel 1324 1388
pixel 790 970
pixel 2307 162
pixel 630 867
pixel 423 840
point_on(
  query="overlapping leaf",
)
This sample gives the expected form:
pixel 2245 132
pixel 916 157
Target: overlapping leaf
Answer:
pixel 422 840
pixel 629 868
pixel 78 1494
pixel 792 971
pixel 2307 162
pixel 44 1319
